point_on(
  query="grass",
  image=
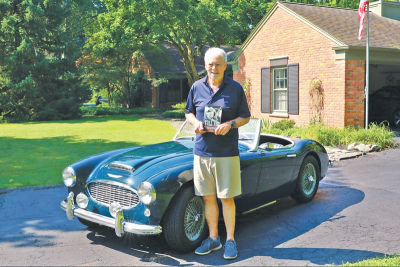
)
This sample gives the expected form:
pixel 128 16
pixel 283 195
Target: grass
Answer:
pixel 393 260
pixel 332 136
pixel 35 153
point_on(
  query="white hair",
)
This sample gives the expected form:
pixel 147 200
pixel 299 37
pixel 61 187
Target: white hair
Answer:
pixel 214 51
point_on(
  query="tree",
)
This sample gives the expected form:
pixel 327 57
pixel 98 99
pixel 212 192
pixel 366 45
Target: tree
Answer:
pixel 185 25
pixel 112 61
pixel 39 44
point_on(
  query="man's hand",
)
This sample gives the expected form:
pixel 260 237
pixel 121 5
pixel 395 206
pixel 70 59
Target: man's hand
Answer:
pixel 197 125
pixel 222 129
pixel 199 128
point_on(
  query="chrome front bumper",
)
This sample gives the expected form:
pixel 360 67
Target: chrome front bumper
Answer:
pixel 118 223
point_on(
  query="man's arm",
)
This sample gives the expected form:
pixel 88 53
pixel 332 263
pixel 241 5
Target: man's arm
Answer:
pixel 198 125
pixel 224 128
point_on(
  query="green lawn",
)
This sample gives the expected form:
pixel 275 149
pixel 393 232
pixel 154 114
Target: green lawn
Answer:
pixel 35 153
pixel 393 260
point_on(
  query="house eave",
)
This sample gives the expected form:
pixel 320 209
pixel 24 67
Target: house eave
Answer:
pixel 377 55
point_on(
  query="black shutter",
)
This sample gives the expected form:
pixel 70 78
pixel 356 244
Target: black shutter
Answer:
pixel 265 90
pixel 293 89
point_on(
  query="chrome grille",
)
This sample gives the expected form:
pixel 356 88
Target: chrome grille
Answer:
pixel 107 193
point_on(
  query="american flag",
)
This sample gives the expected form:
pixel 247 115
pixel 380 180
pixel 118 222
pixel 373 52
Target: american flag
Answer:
pixel 361 16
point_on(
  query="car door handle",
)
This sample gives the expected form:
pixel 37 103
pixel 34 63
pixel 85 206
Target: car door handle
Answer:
pixel 291 156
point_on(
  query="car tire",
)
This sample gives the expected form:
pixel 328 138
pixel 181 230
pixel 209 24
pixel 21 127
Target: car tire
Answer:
pixel 88 223
pixel 396 118
pixel 185 225
pixel 307 180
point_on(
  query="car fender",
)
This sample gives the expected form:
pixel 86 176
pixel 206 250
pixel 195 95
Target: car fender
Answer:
pixel 167 184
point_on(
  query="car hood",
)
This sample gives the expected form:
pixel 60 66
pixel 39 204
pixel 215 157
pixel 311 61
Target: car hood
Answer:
pixel 141 163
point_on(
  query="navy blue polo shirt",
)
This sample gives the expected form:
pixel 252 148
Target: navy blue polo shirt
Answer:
pixel 230 96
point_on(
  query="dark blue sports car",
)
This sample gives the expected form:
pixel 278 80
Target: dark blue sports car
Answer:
pixel 147 190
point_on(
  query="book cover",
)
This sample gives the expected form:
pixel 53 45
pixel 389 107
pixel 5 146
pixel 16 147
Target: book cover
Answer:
pixel 212 117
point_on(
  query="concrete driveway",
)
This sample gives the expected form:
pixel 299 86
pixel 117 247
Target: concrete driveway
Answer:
pixel 354 216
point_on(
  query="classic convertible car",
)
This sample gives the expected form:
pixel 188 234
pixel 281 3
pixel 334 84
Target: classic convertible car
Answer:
pixel 147 190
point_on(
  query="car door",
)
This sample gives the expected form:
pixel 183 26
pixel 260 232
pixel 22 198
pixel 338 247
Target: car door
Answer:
pixel 276 172
pixel 250 166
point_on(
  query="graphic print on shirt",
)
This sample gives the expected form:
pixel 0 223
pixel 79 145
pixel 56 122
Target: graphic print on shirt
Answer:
pixel 212 117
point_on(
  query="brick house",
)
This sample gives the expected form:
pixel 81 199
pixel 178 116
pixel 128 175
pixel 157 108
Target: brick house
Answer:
pixel 295 44
pixel 176 89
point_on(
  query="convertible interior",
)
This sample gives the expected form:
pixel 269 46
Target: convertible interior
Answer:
pixel 249 135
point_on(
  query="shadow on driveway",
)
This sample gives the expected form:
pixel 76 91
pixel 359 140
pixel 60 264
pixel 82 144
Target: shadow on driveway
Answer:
pixel 261 233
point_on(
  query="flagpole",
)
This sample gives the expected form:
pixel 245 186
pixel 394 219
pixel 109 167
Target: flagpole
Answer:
pixel 367 73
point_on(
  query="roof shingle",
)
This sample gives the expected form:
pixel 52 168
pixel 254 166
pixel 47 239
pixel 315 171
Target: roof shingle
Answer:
pixel 343 24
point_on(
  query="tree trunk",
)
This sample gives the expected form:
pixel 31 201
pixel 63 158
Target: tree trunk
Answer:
pixel 192 59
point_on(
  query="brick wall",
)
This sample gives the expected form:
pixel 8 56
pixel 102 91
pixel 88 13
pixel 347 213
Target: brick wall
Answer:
pixel 284 35
pixel 355 83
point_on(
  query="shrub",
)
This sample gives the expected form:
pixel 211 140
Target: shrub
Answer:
pixel 174 114
pixel 177 112
pixel 380 134
pixel 283 124
pixel 97 111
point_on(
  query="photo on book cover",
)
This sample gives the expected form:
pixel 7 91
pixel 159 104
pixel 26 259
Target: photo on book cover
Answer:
pixel 212 117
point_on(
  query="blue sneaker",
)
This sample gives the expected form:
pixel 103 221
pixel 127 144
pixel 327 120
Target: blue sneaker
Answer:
pixel 208 245
pixel 230 250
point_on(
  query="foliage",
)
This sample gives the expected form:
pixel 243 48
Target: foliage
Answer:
pixel 380 134
pixel 185 25
pixel 43 149
pixel 97 111
pixel 39 44
pixel 316 93
pixel 387 260
pixel 177 112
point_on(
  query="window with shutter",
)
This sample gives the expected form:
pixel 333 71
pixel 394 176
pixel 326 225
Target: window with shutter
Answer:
pixel 285 88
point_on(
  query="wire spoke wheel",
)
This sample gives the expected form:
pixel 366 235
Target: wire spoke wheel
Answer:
pixel 194 218
pixel 309 179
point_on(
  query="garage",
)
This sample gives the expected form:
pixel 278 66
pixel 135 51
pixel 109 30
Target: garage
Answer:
pixel 384 94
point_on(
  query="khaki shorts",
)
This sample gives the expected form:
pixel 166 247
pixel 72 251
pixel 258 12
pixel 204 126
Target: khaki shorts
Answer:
pixel 217 176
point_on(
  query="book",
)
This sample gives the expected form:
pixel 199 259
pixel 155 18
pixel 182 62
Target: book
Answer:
pixel 212 117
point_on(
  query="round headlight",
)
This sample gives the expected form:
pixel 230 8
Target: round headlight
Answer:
pixel 82 200
pixel 146 193
pixel 69 177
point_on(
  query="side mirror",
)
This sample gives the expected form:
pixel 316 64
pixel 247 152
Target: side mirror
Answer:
pixel 266 147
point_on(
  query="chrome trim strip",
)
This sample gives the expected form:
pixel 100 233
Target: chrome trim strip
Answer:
pixel 291 156
pixel 262 206
pixel 121 166
pixel 134 228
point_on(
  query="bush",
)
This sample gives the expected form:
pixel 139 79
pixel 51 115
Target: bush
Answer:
pixel 97 111
pixel 380 134
pixel 284 124
pixel 177 112
pixel 174 114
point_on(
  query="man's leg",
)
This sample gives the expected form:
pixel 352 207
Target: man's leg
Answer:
pixel 229 212
pixel 212 214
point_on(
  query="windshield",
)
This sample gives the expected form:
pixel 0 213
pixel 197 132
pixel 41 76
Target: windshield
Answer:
pixel 249 134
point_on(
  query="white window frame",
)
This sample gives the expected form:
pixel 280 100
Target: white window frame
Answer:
pixel 279 89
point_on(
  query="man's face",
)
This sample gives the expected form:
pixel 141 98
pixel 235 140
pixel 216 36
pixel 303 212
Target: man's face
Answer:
pixel 215 67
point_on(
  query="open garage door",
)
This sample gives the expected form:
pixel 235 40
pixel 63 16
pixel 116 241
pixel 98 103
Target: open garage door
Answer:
pixel 384 94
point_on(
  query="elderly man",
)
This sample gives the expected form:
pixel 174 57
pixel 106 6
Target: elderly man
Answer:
pixel 216 163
